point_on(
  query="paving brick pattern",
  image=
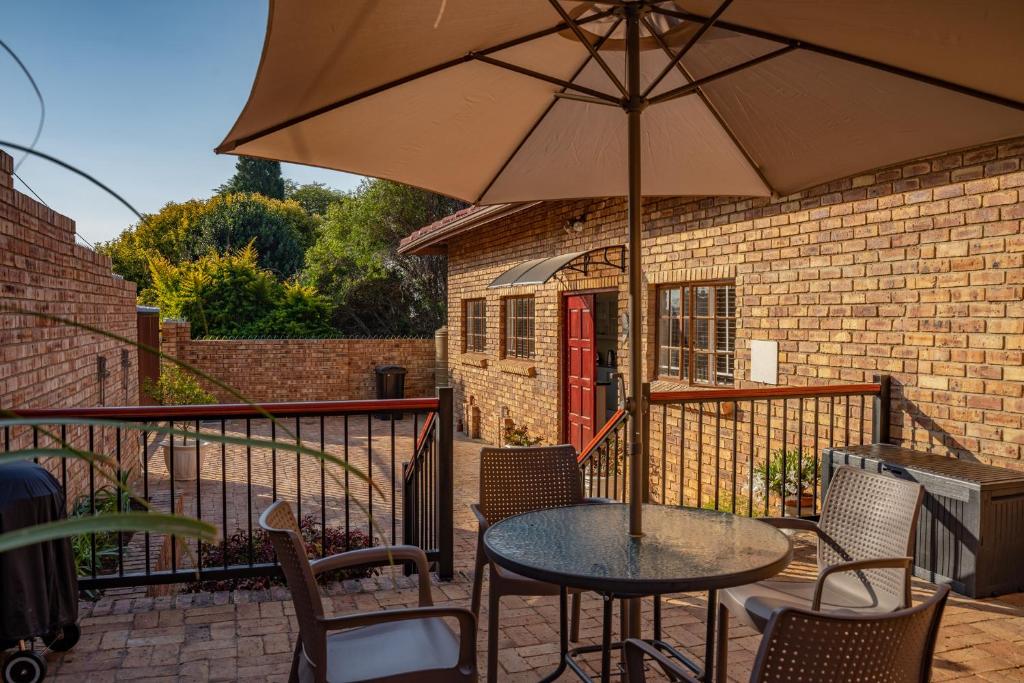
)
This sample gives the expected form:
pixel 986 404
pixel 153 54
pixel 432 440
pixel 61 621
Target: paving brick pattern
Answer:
pixel 249 635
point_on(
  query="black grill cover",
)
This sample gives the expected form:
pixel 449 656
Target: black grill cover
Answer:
pixel 38 582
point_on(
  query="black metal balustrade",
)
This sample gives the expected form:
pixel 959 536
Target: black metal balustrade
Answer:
pixel 755 451
pixel 334 462
pixel 603 462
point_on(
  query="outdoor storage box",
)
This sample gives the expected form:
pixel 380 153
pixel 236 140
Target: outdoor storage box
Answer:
pixel 971 530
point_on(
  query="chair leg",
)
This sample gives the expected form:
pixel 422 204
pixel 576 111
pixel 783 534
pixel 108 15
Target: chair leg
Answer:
pixel 478 579
pixel 492 631
pixel 722 646
pixel 293 677
pixel 574 629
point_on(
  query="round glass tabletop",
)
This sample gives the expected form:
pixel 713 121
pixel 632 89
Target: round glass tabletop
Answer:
pixel 682 549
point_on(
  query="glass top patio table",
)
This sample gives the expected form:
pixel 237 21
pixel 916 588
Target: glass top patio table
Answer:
pixel 682 550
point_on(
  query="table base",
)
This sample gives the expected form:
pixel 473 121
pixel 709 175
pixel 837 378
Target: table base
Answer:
pixel 568 655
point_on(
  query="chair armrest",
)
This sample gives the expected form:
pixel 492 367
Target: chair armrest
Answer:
pixel 466 619
pixel 380 555
pixel 792 523
pixel 860 565
pixel 634 652
pixel 597 500
pixel 480 519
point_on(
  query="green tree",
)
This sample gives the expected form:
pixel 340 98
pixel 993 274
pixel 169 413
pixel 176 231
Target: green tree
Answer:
pixel 165 234
pixel 314 198
pixel 373 289
pixel 229 295
pixel 260 176
pixel 280 230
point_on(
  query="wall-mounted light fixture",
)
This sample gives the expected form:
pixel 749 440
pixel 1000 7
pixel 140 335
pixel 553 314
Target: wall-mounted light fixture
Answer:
pixel 575 224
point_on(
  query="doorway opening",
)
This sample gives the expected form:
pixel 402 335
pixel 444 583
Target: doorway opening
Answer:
pixel 590 385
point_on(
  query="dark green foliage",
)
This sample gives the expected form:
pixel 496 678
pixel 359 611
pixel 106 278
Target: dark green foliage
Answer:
pixel 319 542
pixel 373 289
pixel 259 176
pixel 314 198
pixel 796 472
pixel 229 295
pixel 277 230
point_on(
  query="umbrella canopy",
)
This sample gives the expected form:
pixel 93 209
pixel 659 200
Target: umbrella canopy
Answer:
pixel 412 91
pixel 496 101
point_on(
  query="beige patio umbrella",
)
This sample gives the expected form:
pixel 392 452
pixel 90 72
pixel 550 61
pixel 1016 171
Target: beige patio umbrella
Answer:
pixel 497 101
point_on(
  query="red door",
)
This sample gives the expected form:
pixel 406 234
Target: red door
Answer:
pixel 580 368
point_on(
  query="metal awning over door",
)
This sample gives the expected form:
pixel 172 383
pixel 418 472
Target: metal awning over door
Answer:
pixel 539 271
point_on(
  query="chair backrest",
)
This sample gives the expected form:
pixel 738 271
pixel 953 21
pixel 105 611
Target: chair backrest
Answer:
pixel 518 480
pixel 279 523
pixel 822 647
pixel 868 516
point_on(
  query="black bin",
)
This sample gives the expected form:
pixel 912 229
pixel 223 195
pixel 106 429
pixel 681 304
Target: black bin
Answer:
pixel 390 384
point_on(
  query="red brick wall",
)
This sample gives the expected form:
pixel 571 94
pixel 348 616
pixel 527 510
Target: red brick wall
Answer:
pixel 274 370
pixel 915 270
pixel 46 364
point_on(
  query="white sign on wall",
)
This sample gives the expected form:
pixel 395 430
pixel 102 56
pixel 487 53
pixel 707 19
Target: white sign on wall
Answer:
pixel 764 361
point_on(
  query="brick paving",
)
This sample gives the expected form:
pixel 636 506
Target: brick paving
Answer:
pixel 249 635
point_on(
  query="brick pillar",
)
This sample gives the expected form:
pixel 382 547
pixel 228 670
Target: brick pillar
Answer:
pixel 174 334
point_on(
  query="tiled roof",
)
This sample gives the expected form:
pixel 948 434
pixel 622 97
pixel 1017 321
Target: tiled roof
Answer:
pixel 429 237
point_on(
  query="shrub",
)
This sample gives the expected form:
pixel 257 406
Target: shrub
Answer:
pixel 798 476
pixel 519 435
pixel 176 387
pixel 319 542
pixel 230 295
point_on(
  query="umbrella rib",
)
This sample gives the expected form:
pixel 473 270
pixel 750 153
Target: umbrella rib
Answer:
pixel 536 35
pixel 850 57
pixel 678 58
pixel 590 47
pixel 711 108
pixel 545 77
pixel 543 116
pixel 691 87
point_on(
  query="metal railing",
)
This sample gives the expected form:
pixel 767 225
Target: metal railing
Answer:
pixel 345 485
pixel 603 462
pixel 428 489
pixel 755 451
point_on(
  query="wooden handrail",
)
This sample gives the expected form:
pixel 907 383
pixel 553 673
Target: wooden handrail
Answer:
pixel 425 430
pixel 219 411
pixel 724 395
pixel 602 434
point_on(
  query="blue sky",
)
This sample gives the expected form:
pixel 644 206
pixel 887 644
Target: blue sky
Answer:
pixel 137 94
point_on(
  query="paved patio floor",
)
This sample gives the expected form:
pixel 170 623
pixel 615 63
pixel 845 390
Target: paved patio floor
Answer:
pixel 249 635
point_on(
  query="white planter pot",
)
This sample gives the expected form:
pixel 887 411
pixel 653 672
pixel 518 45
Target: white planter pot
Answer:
pixel 184 458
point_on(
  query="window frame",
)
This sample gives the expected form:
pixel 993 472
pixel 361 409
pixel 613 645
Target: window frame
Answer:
pixel 523 347
pixel 688 316
pixel 468 332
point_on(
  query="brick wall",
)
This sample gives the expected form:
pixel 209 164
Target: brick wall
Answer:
pixel 46 364
pixel 913 270
pixel 273 370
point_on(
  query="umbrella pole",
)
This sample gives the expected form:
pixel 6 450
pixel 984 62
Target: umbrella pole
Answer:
pixel 634 108
pixel 637 472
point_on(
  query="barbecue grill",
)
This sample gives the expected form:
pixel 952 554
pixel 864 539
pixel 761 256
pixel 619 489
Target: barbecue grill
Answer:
pixel 39 583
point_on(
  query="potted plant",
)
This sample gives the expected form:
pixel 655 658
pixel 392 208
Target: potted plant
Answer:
pixel 787 474
pixel 177 387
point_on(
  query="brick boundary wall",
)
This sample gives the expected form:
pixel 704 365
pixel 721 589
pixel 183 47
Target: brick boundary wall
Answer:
pixel 44 364
pixel 914 270
pixel 274 370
